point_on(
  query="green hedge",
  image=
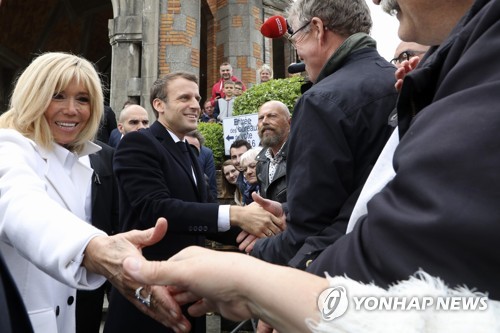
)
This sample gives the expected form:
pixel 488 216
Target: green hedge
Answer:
pixel 284 90
pixel 214 139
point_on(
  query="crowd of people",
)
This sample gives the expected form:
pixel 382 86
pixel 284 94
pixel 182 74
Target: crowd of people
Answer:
pixel 226 90
pixel 386 169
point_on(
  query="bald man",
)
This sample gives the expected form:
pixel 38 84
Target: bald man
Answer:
pixel 133 118
pixel 274 127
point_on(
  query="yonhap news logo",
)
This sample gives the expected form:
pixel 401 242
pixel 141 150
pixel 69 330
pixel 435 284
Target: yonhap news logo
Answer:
pixel 334 302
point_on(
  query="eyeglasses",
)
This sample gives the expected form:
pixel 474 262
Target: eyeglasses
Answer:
pixel 292 33
pixel 406 55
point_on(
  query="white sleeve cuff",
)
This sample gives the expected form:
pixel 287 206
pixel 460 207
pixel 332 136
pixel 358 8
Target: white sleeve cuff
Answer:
pixel 223 222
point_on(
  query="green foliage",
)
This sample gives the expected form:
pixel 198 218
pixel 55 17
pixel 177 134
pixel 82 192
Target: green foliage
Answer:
pixel 214 139
pixel 284 90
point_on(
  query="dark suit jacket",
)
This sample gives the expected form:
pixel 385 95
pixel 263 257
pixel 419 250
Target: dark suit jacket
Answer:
pixel 13 315
pixel 105 217
pixel 153 182
pixel 104 190
pixel 108 123
pixel 206 159
pixel 114 138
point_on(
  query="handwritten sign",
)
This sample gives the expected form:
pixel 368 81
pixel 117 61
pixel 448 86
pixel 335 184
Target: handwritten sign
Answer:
pixel 240 127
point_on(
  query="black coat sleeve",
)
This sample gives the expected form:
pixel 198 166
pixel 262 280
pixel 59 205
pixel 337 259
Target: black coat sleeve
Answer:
pixel 152 185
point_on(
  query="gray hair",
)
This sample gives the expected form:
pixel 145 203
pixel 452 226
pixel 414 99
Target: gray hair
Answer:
pixel 340 16
pixel 249 156
pixel 266 67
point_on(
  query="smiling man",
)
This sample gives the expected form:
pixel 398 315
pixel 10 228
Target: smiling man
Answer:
pixel 158 175
pixel 439 213
pixel 226 73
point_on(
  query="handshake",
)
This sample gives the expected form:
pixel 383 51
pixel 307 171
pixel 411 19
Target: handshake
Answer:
pixel 160 288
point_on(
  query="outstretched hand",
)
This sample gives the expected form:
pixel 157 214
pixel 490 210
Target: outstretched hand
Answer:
pixel 219 290
pixel 105 255
pixel 258 220
pixel 246 240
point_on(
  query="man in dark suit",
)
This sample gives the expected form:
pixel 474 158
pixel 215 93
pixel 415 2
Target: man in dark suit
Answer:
pixel 158 176
pixel 104 203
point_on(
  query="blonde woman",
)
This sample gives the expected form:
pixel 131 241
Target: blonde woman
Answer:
pixel 48 246
pixel 265 73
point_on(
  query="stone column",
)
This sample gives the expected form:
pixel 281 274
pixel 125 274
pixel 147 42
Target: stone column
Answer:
pixel 238 38
pixel 133 34
pixel 180 36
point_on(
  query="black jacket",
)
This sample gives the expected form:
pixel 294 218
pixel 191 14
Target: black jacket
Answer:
pixel 441 211
pixel 104 199
pixel 153 182
pixel 338 129
pixel 276 190
pixel 104 190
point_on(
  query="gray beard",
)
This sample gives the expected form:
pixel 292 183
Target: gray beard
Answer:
pixel 270 141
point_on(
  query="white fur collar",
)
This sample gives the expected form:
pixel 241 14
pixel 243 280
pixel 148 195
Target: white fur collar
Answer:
pixel 413 321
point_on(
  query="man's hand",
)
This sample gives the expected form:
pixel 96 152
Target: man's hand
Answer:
pixel 247 240
pixel 105 255
pixel 257 219
pixel 273 207
pixel 406 67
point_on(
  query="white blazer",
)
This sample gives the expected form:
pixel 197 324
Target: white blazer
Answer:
pixel 43 232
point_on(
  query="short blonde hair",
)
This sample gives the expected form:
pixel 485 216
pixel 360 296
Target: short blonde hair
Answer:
pixel 47 75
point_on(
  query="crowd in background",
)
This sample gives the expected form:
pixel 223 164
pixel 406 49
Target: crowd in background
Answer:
pixel 385 169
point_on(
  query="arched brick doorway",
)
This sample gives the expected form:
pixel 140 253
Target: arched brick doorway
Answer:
pixel 31 27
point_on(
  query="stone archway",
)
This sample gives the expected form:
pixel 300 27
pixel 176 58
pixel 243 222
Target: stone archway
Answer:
pixel 31 27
